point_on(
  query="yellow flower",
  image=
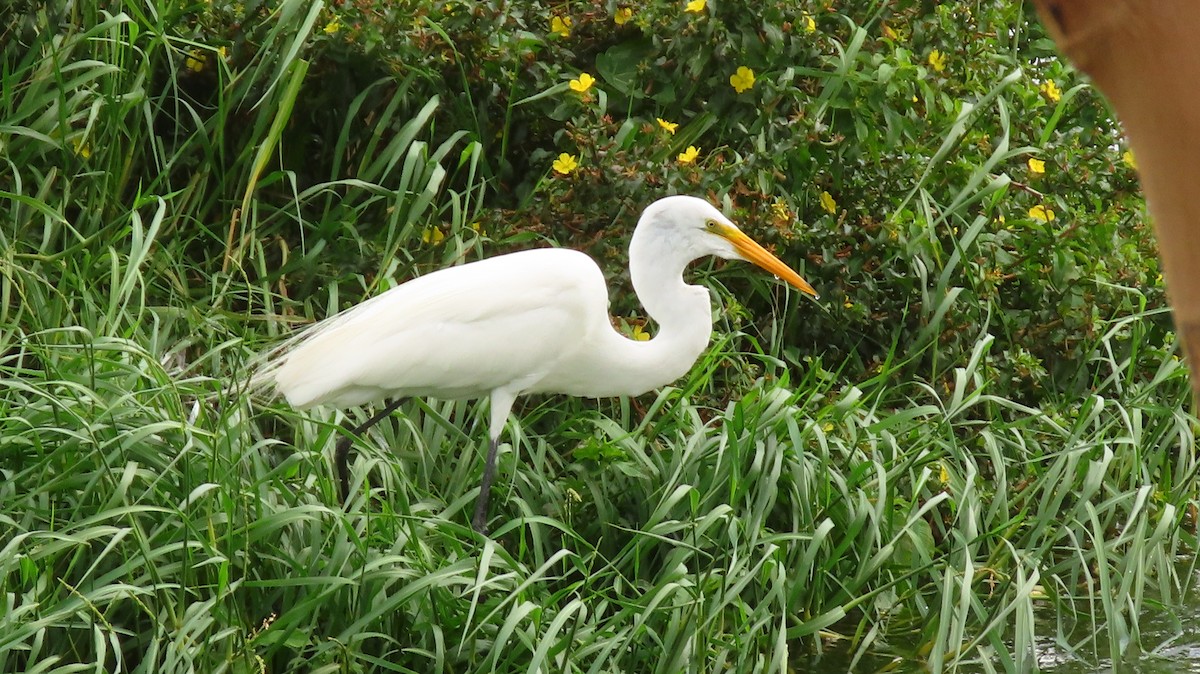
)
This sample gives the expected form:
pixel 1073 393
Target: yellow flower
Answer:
pixel 565 164
pixel 689 155
pixel 195 61
pixel 669 127
pixel 1041 213
pixel 828 203
pixel 780 210
pixel 1051 91
pixel 1128 158
pixel 639 333
pixel 1036 166
pixel 582 84
pixel 333 26
pixel 561 25
pixel 696 6
pixel 432 235
pixel 81 148
pixel 937 60
pixel 810 24
pixel 623 15
pixel 742 80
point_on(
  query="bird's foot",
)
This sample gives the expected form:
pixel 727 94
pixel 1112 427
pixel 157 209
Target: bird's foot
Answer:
pixel 479 524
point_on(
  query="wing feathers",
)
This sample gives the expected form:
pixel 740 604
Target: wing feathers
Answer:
pixel 458 332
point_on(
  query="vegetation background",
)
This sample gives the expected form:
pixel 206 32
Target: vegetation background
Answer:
pixel 976 450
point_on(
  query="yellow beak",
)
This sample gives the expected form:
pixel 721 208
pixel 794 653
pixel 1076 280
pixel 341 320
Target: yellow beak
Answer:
pixel 749 249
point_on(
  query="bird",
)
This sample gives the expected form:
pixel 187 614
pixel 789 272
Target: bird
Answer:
pixel 534 321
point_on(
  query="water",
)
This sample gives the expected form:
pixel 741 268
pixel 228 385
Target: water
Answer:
pixel 1173 648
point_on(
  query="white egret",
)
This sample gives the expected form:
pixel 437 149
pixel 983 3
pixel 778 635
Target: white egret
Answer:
pixel 529 322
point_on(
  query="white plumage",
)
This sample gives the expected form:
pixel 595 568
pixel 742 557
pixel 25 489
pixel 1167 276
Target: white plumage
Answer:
pixel 460 332
pixel 533 321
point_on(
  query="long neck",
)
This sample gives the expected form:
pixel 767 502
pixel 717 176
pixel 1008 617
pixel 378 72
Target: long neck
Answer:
pixel 608 363
pixel 683 313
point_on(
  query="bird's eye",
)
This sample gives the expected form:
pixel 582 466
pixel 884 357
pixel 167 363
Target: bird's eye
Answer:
pixel 710 224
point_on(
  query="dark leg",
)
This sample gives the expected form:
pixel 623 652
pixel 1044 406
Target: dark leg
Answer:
pixel 479 522
pixel 341 450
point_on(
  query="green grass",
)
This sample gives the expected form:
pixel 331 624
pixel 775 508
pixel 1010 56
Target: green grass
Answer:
pixel 156 517
pixel 153 525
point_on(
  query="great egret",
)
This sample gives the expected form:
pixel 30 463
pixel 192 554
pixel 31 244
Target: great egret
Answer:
pixel 529 322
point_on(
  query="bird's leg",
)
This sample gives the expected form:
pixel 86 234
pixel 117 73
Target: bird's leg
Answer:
pixel 340 455
pixel 502 402
pixel 341 450
pixel 479 522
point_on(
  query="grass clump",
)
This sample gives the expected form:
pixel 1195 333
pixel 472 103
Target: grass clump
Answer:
pixel 981 443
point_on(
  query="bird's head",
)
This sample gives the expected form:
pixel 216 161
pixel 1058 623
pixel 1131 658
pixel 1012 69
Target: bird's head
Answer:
pixel 700 228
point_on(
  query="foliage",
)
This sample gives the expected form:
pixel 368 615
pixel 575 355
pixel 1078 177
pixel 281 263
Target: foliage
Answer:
pixel 903 178
pixel 983 419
